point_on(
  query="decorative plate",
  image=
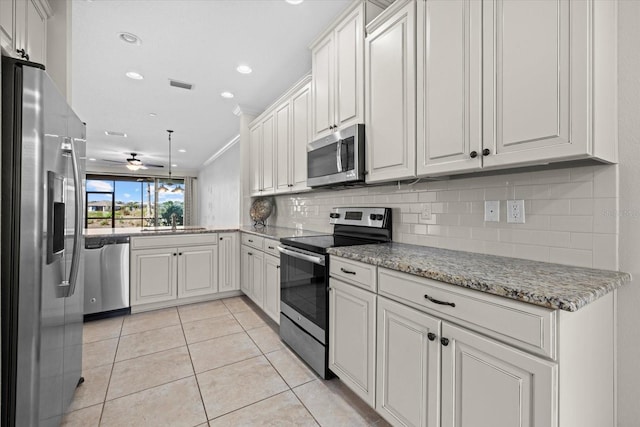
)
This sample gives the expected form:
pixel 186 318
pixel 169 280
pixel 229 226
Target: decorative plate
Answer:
pixel 260 210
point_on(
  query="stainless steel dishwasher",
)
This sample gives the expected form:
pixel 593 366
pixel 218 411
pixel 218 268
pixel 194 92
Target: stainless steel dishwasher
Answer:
pixel 106 276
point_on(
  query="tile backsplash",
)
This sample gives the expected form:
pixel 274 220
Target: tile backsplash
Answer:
pixel 571 213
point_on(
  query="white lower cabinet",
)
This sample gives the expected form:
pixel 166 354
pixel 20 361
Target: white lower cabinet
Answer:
pixel 154 275
pixel 485 383
pixel 272 287
pixel 165 269
pixel 197 271
pixel 408 372
pixel 228 262
pixel 352 338
pixel 424 353
pixel 260 273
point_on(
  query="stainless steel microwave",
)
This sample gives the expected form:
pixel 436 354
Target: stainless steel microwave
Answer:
pixel 337 158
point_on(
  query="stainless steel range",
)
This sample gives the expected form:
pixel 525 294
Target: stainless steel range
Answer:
pixel 304 279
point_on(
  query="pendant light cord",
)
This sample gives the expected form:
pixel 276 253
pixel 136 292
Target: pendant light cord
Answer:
pixel 170 132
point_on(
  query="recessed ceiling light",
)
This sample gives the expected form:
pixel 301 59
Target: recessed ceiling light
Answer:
pixel 244 69
pixel 133 75
pixel 174 165
pixel 294 1
pixel 182 150
pixel 91 159
pixel 113 133
pixel 129 38
pixel 153 114
pixel 227 95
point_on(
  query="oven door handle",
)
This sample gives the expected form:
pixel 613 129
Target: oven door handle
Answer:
pixel 295 254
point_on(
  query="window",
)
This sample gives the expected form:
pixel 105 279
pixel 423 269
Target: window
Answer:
pixel 116 202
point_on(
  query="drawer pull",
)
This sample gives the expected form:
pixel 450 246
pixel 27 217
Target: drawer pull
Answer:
pixel 250 241
pixel 271 247
pixel 435 301
pixel 347 271
pixel 249 253
pixel 431 336
pixel 444 341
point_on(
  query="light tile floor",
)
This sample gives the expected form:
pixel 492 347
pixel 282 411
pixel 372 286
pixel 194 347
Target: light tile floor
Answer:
pixel 218 363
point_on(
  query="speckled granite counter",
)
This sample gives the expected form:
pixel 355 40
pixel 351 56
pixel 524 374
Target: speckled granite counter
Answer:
pixel 278 232
pixel 549 285
pixel 270 232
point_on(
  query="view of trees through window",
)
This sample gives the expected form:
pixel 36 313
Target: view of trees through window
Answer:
pixel 118 201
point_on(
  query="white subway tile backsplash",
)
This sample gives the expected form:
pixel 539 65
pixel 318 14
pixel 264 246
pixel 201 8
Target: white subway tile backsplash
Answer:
pixel 565 210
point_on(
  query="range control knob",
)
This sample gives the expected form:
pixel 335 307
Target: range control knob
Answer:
pixel 372 217
pixel 334 215
pixel 379 217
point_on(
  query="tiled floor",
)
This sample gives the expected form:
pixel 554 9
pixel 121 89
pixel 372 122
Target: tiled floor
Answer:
pixel 219 362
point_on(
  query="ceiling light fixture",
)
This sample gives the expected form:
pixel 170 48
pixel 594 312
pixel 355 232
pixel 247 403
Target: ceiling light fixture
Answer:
pixel 134 75
pixel 178 189
pixel 244 69
pixel 114 133
pixel 129 38
pixel 134 167
pixel 182 150
pixel 91 159
pixel 153 114
pixel 227 95
pixel 294 1
pixel 174 165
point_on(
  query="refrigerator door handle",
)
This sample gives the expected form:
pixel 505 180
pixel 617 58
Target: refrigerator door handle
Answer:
pixel 68 148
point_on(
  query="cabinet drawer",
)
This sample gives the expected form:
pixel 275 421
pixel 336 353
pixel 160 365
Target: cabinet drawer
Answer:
pixel 354 272
pixel 524 325
pixel 252 240
pixel 166 241
pixel 271 247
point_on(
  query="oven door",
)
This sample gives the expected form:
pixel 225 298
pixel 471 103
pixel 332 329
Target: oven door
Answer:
pixel 304 285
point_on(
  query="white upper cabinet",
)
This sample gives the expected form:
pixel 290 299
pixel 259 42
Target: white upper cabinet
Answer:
pixel 391 95
pixel 300 137
pixel 337 74
pixel 449 86
pixel 514 83
pixel 7 8
pixel 282 147
pixel 278 143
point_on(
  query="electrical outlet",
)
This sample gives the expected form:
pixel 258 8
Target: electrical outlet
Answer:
pixel 515 211
pixel 425 214
pixel 492 211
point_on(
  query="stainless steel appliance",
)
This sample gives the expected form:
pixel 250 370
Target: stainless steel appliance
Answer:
pixel 106 280
pixel 304 279
pixel 43 157
pixel 337 159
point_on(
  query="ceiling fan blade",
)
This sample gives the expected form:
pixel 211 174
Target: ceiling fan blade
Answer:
pixel 120 162
pixel 150 165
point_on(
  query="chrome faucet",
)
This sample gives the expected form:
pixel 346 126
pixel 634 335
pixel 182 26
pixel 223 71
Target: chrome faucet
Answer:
pixel 174 218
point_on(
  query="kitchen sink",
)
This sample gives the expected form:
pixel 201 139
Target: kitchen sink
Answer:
pixel 181 229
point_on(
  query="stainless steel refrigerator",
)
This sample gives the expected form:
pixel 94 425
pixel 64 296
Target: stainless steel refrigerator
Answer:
pixel 43 157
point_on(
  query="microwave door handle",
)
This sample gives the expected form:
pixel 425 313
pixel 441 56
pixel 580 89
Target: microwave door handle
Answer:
pixel 339 156
pixel 68 148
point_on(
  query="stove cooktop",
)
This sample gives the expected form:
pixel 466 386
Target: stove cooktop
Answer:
pixel 320 244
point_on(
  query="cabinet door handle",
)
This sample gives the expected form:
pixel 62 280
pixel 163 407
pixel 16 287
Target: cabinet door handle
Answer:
pixel 23 54
pixel 486 152
pixel 277 266
pixel 347 271
pixel 431 336
pixel 473 154
pixel 180 253
pixel 249 253
pixel 221 238
pixel 435 301
pixel 444 341
pixel 250 241
pixel 175 254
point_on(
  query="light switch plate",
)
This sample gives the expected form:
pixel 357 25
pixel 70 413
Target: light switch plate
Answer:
pixel 425 213
pixel 492 211
pixel 515 211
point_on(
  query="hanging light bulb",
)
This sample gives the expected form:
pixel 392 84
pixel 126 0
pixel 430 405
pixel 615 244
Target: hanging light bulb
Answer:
pixel 163 189
pixel 178 189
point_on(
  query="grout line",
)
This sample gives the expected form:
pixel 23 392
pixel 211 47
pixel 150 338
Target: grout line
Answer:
pixel 250 404
pixel 193 369
pixel 302 403
pixel 104 399
pixel 228 364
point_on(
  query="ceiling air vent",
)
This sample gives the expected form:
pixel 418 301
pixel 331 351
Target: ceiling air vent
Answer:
pixel 181 85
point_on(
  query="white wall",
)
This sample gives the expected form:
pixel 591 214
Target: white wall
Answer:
pixel 629 247
pixel 59 46
pixel 219 190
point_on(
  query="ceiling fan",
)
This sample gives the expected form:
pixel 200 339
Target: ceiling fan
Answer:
pixel 134 163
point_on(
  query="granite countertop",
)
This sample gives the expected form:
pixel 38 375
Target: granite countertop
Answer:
pixel 269 232
pixel 278 232
pixel 549 285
